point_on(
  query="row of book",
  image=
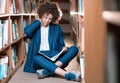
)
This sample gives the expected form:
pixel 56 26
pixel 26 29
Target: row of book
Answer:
pixel 4 66
pixel 17 6
pixel 3 5
pixel 80 6
pixel 14 31
pixel 3 33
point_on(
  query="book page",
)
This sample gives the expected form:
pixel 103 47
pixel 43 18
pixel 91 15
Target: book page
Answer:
pixel 54 57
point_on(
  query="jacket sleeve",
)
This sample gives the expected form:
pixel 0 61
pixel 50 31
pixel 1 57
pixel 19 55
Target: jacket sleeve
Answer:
pixel 31 29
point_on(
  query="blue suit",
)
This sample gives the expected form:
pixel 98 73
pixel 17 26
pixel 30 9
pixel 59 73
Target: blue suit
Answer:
pixel 56 43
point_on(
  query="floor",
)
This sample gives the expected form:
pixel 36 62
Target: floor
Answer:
pixel 23 77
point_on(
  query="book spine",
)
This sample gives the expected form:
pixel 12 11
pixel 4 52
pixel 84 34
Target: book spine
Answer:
pixel 5 66
pixel 5 33
pixel 1 68
pixel 1 35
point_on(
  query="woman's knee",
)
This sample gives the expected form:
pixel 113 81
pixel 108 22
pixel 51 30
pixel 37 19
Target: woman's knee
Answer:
pixel 73 49
pixel 36 60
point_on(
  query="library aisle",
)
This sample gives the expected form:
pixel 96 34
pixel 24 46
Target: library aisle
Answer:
pixel 23 77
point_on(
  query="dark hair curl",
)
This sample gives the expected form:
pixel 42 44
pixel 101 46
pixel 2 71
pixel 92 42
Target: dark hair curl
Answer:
pixel 48 8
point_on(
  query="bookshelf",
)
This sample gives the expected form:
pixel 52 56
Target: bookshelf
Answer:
pixel 13 19
pixel 77 22
pixel 102 42
pixel 94 42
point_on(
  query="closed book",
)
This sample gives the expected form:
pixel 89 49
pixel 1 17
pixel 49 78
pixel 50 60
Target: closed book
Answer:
pixel 1 35
pixel 1 68
pixel 5 32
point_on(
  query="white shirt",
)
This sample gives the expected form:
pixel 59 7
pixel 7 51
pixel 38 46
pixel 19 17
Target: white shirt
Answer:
pixel 44 46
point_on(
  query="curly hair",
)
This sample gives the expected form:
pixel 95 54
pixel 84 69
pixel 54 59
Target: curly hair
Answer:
pixel 48 8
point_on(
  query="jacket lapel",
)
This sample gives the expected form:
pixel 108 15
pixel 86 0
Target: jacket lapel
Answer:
pixel 51 35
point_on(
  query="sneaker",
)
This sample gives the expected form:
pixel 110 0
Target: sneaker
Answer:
pixel 74 76
pixel 40 74
pixel 77 76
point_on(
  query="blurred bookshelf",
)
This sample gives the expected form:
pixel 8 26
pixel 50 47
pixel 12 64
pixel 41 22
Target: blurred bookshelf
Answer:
pixel 14 16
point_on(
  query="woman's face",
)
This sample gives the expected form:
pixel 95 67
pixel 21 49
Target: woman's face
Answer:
pixel 46 19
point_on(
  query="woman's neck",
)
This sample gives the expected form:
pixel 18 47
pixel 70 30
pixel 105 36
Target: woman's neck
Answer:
pixel 44 26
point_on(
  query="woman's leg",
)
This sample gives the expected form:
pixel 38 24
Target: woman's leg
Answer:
pixel 44 63
pixel 63 62
pixel 48 67
pixel 51 67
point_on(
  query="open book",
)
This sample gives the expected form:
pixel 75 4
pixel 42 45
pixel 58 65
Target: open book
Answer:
pixel 54 58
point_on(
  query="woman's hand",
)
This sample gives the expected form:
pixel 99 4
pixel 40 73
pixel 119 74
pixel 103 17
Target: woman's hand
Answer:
pixel 65 49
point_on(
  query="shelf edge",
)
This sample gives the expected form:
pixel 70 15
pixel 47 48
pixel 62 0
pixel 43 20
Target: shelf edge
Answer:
pixel 112 17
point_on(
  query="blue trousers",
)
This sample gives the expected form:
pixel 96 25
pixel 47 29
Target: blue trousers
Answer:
pixel 42 62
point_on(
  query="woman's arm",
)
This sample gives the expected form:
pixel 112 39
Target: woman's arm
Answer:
pixel 31 29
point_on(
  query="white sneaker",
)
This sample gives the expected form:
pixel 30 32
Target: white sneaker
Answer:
pixel 77 76
pixel 40 74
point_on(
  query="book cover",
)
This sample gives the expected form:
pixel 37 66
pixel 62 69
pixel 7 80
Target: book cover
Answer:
pixel 5 33
pixel 11 31
pixel 3 6
pixel 15 30
pixel 14 57
pixel 17 6
pixel 5 66
pixel 14 7
pixel 1 68
pixel 24 24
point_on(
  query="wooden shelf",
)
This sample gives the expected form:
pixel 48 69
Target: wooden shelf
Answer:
pixel 20 14
pixel 17 66
pixel 6 47
pixel 112 17
pixel 102 42
pixel 61 1
pixel 16 41
pixel 13 72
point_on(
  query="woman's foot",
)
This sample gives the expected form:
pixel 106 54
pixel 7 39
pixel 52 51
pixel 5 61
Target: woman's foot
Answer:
pixel 42 73
pixel 75 76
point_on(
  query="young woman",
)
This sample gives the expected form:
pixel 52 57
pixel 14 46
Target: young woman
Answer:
pixel 48 38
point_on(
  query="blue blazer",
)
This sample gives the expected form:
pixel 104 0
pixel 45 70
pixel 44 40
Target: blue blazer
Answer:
pixel 55 39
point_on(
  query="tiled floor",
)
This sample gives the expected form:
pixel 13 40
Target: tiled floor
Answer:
pixel 22 77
